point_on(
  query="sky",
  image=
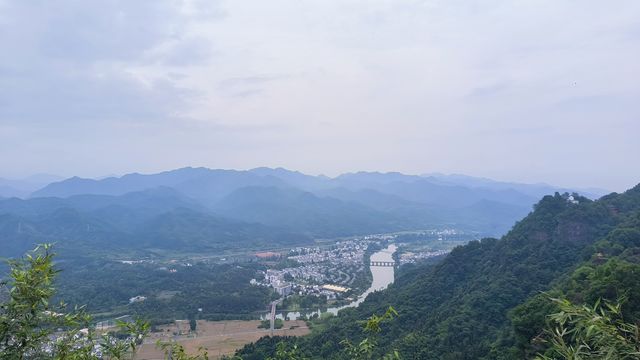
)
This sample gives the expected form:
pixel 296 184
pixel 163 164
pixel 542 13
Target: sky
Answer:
pixel 529 91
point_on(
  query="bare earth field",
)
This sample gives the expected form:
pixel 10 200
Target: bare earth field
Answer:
pixel 217 337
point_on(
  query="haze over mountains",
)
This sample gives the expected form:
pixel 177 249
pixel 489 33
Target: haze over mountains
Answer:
pixel 211 209
pixel 24 187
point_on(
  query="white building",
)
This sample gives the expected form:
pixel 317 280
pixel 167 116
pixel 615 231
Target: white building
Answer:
pixel 136 299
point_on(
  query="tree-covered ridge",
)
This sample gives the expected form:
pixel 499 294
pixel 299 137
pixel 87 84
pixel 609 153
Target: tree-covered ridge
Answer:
pixel 610 272
pixel 158 218
pixel 463 308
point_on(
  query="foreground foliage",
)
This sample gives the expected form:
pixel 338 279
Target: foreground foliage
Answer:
pixel 590 332
pixel 365 349
pixel 31 327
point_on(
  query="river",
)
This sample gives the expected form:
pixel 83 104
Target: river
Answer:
pixel 382 277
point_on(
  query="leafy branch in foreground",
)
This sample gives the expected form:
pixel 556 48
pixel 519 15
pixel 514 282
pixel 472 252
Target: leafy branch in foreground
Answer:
pixel 591 332
pixel 372 327
pixel 33 328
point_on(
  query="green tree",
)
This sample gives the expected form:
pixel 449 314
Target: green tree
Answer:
pixel 284 353
pixel 372 328
pixel 591 332
pixel 33 328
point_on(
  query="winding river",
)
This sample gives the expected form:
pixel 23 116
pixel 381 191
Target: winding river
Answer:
pixel 382 277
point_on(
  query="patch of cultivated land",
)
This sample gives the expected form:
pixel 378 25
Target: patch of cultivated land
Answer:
pixel 217 337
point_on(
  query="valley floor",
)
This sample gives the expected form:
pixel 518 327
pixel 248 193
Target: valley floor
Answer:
pixel 217 337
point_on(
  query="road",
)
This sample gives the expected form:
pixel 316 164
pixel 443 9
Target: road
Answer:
pixel 272 317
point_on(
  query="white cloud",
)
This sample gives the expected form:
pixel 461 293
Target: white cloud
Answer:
pixel 523 90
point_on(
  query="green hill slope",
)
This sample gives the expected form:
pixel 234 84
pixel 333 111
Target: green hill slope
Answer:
pixel 158 218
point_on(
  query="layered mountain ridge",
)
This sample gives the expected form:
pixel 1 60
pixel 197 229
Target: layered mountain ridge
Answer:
pixel 276 204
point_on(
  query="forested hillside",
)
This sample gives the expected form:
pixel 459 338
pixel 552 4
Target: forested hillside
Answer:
pixel 490 298
pixel 159 218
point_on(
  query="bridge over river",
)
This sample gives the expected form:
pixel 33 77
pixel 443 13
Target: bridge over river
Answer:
pixel 382 263
pixel 382 269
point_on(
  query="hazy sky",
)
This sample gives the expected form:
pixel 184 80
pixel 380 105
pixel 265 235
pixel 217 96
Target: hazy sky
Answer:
pixel 516 90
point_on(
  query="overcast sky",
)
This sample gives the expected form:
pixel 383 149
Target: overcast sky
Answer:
pixel 531 91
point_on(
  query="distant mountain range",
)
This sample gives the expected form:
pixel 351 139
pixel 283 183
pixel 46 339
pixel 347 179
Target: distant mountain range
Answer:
pixel 200 208
pixel 159 218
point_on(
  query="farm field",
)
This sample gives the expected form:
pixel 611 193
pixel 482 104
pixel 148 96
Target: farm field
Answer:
pixel 217 337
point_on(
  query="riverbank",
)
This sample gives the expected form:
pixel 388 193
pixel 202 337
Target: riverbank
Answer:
pixel 382 276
